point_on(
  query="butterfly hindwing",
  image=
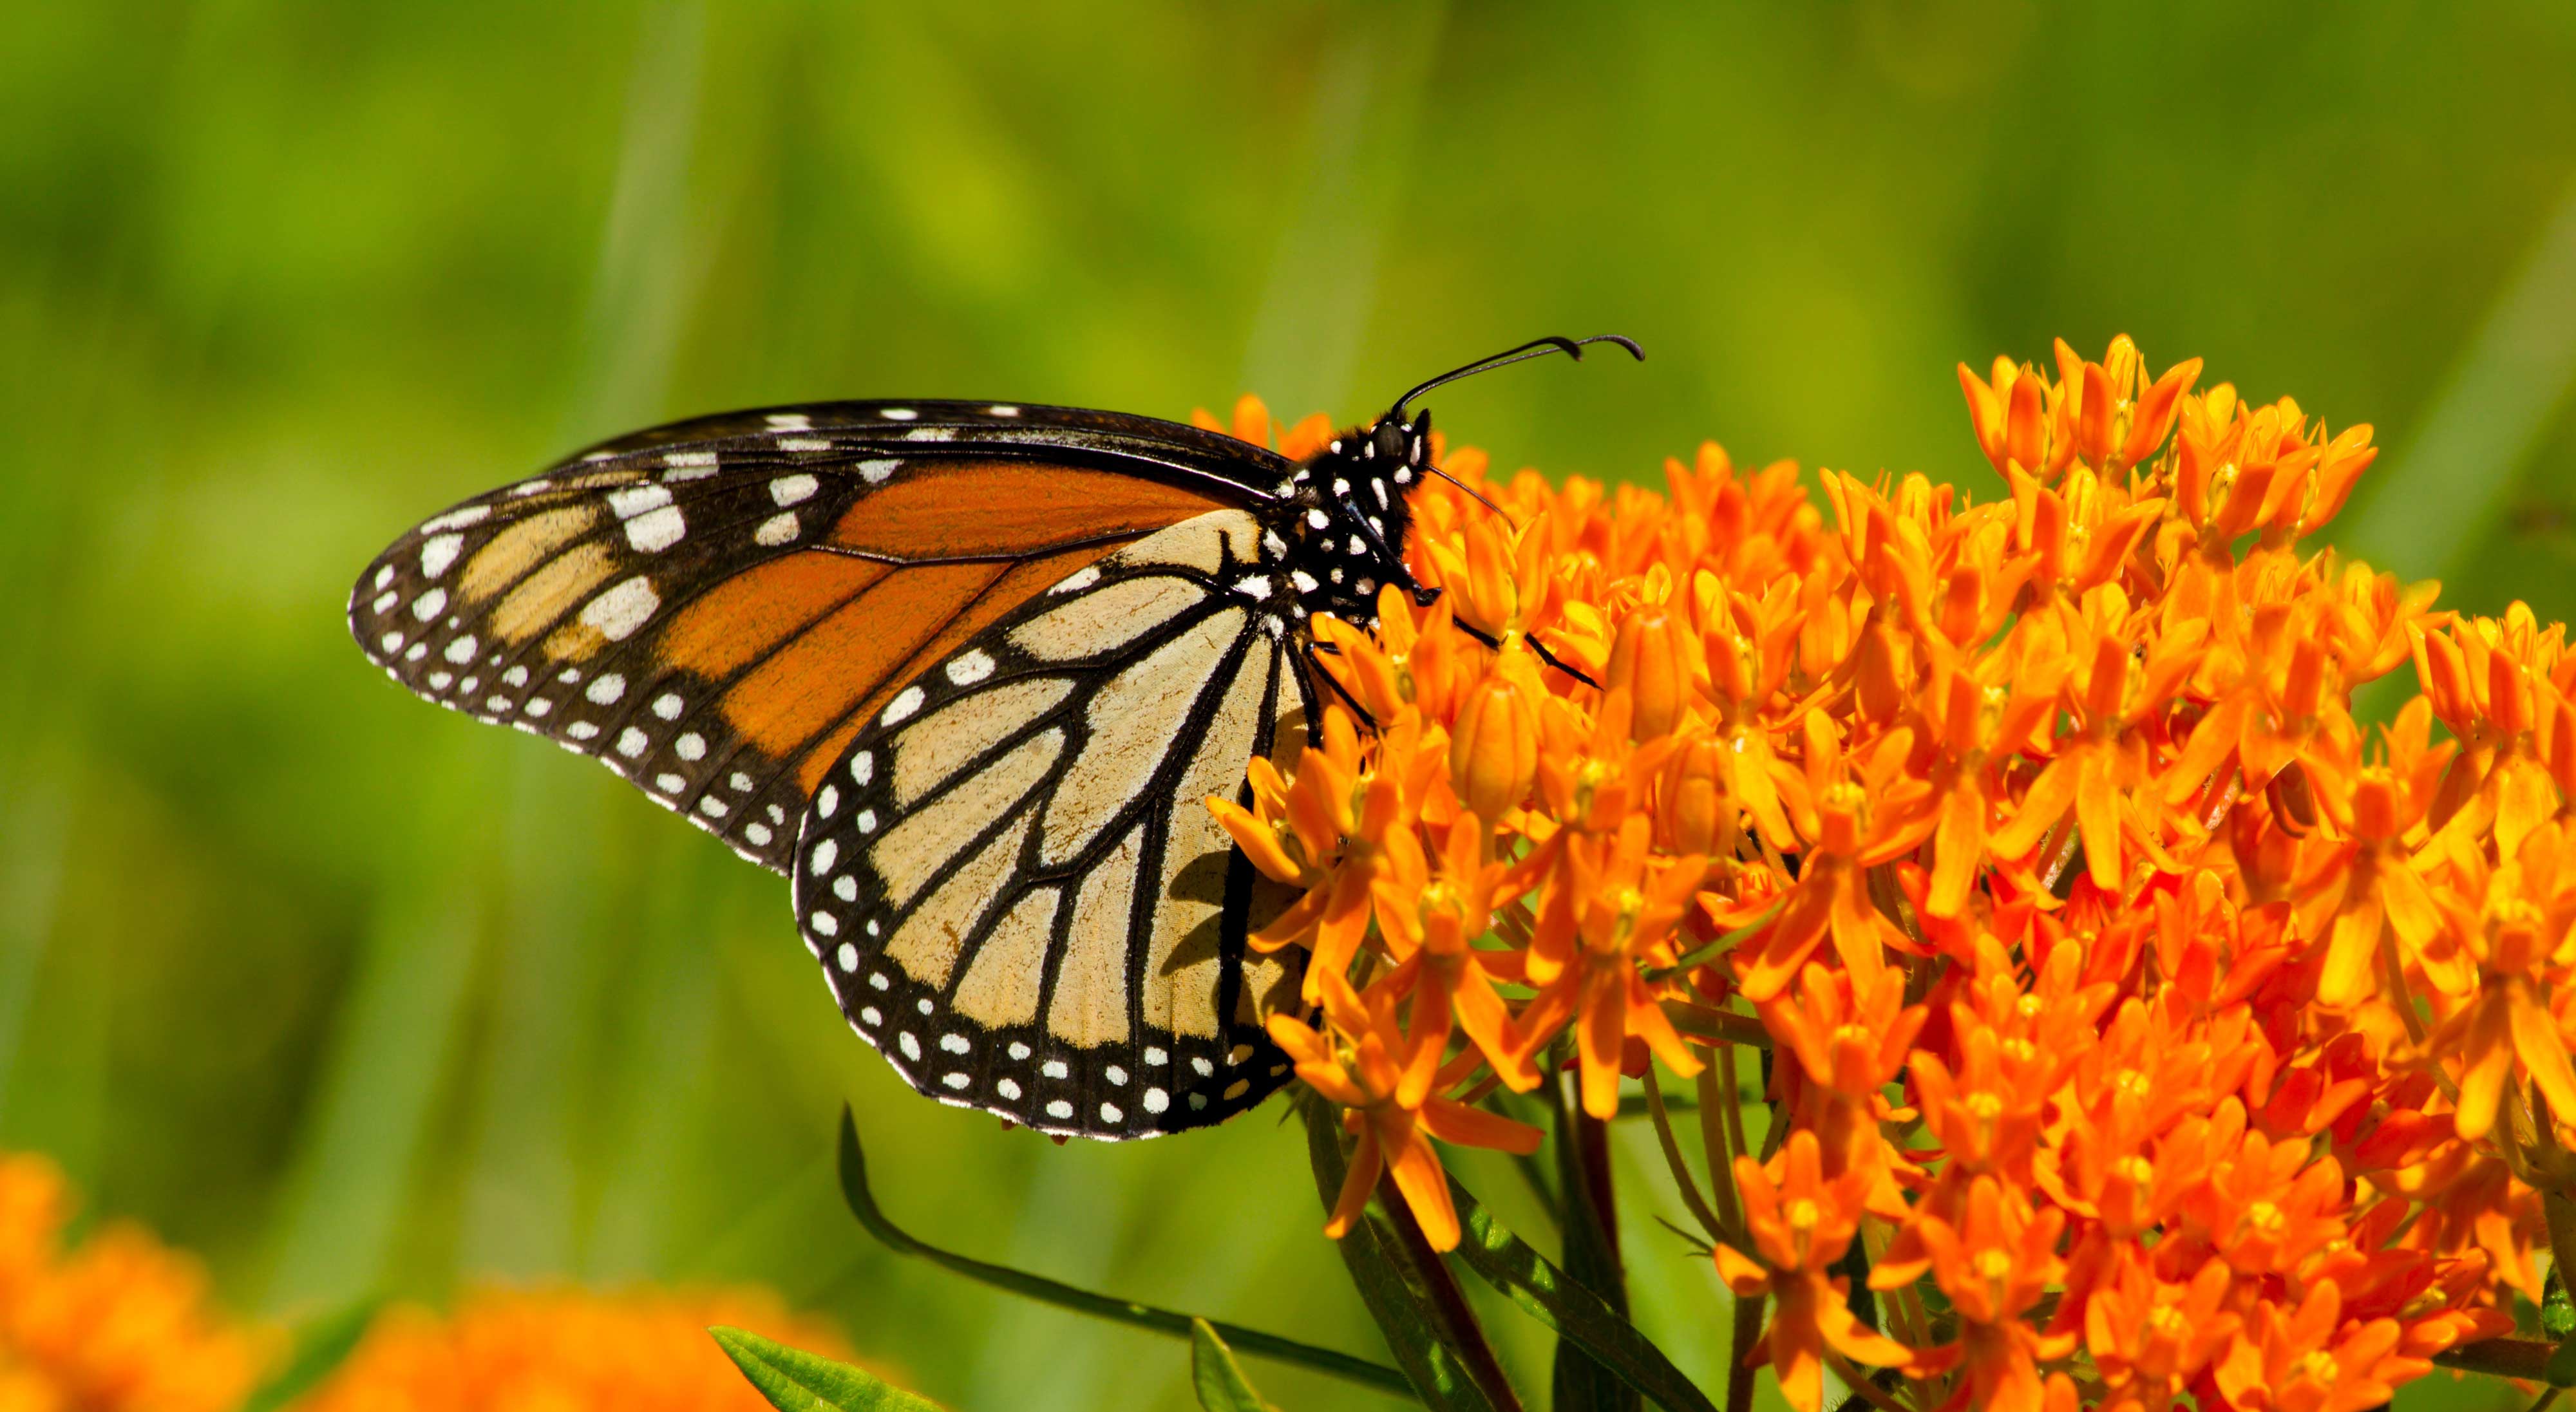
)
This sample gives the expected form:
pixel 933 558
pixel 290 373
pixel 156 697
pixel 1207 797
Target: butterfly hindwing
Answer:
pixel 1011 876
pixel 713 608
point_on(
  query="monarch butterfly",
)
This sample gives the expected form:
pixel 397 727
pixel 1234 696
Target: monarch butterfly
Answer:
pixel 964 672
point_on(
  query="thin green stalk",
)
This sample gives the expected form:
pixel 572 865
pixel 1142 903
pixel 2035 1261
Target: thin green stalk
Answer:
pixel 1739 1373
pixel 862 1203
pixel 1682 1178
pixel 1716 1101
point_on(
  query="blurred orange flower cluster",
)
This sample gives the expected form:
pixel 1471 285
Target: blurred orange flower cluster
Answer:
pixel 2152 1028
pixel 564 1351
pixel 117 1323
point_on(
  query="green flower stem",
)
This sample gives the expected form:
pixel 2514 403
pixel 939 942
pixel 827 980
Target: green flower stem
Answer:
pixel 1459 1328
pixel 1739 1373
pixel 854 1190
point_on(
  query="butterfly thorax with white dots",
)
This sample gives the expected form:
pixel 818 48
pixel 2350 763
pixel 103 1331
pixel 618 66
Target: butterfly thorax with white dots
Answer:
pixel 1337 531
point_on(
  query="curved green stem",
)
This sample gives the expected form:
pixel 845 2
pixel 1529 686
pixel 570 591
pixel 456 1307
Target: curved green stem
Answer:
pixel 854 1190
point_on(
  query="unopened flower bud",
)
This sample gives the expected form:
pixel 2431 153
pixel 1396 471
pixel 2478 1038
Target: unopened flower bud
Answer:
pixel 1696 815
pixel 1652 659
pixel 1493 749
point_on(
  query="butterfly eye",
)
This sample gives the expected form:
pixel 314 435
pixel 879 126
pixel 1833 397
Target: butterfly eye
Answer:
pixel 1390 438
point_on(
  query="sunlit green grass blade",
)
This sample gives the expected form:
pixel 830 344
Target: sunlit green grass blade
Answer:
pixel 321 1346
pixel 854 1188
pixel 796 1381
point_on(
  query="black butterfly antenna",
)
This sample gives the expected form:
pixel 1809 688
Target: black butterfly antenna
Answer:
pixel 1535 348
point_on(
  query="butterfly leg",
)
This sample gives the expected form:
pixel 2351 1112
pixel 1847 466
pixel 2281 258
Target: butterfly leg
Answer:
pixel 1315 666
pixel 1536 646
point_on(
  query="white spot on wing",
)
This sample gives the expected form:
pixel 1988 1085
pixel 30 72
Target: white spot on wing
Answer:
pixel 656 530
pixel 790 490
pixel 897 414
pixel 606 689
pixel 461 651
pixel 776 530
pixel 429 605
pixel 931 434
pixel 1078 580
pixel 804 443
pixel 618 612
pixel 970 667
pixel 459 519
pixel 633 500
pixel 875 472
pixel 789 421
pixel 901 708
pixel 439 553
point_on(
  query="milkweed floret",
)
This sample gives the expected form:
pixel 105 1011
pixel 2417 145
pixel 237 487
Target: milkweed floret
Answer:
pixel 2147 1027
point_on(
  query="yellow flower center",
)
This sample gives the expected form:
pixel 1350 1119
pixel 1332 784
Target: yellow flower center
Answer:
pixel 2165 1319
pixel 2137 1170
pixel 2019 1050
pixel 2318 1366
pixel 2131 1082
pixel 2029 1006
pixel 2266 1217
pixel 1803 1216
pixel 1983 1106
pixel 1993 1265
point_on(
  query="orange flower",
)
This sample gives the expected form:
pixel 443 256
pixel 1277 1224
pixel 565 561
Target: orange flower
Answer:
pixel 117 1323
pixel 1608 907
pixel 2309 1360
pixel 1995 1266
pixel 565 1351
pixel 1393 1135
pixel 1800 1225
pixel 2117 989
pixel 1854 825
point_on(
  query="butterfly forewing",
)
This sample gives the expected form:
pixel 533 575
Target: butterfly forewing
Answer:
pixel 1011 877
pixel 714 608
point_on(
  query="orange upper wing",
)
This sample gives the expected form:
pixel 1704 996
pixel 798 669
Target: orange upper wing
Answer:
pixel 711 608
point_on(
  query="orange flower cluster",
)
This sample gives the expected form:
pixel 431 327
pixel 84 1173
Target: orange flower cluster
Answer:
pixel 564 1351
pixel 118 1323
pixel 2152 1029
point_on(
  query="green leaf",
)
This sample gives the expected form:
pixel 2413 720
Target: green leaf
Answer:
pixel 320 1348
pixel 863 1204
pixel 1394 1295
pixel 1582 1383
pixel 1576 1314
pixel 1221 1384
pixel 795 1381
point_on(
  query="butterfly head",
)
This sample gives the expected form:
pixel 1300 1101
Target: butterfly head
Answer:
pixel 1339 524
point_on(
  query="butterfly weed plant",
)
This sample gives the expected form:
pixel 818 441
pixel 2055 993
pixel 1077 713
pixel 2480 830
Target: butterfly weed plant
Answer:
pixel 2044 991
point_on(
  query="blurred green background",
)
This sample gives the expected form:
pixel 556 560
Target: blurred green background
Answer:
pixel 353 995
